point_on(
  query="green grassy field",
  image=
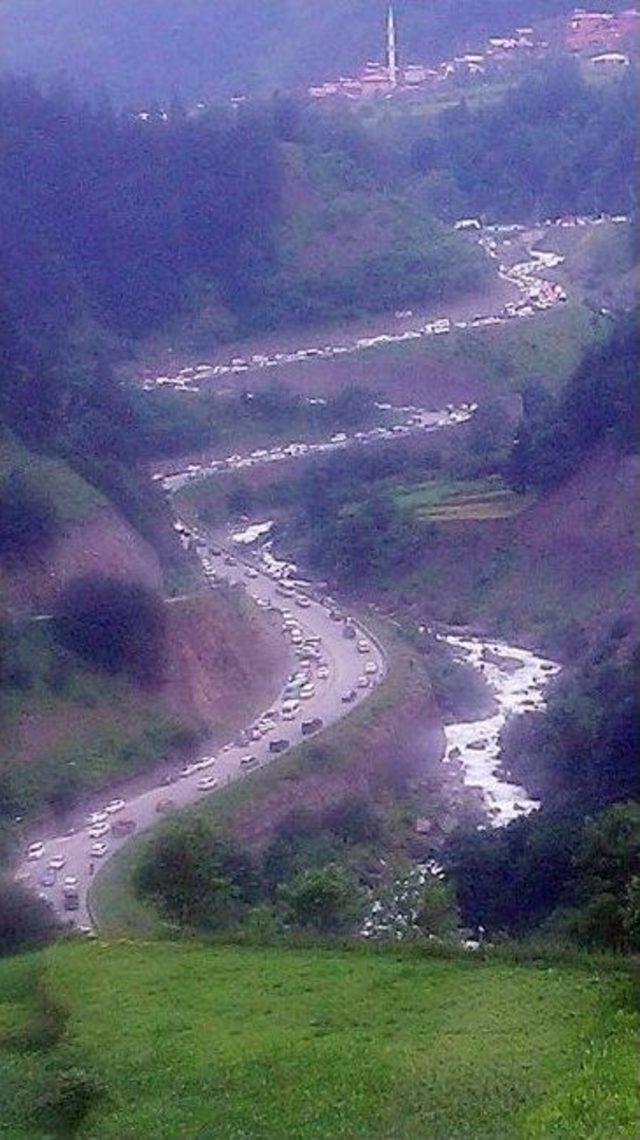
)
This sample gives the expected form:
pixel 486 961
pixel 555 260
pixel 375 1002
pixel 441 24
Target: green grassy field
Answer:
pixel 197 1041
pixel 443 500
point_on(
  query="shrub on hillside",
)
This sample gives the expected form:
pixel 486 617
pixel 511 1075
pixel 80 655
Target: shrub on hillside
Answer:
pixel 116 626
pixel 25 921
pixel 66 1096
pixel 28 518
pixel 197 877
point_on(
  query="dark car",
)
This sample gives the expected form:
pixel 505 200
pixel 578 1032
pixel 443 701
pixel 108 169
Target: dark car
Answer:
pixel 278 745
pixel 310 726
pixel 347 698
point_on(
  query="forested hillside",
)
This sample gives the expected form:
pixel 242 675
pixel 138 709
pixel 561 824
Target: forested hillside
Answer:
pixel 145 51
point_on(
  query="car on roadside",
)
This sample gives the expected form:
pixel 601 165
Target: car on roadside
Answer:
pixel 303 602
pixel 99 830
pixel 35 851
pixel 363 682
pixel 165 806
pixel 308 727
pixel 276 746
pixel 114 806
pixel 348 697
pixel 250 572
pixel 248 761
pixel 364 647
pixel 371 667
pixel 170 778
pixel 98 850
pixel 207 784
pixel 97 817
pixel 322 673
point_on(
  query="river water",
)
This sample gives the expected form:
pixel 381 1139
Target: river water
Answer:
pixel 517 679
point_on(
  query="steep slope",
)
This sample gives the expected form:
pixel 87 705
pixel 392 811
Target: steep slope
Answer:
pixel 560 570
pixel 66 728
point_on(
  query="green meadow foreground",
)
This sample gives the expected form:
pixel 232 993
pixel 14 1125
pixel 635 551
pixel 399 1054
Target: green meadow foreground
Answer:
pixel 189 1040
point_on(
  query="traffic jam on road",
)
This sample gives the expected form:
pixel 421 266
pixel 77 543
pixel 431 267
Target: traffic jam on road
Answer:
pixel 413 419
pixel 336 664
pixel 537 294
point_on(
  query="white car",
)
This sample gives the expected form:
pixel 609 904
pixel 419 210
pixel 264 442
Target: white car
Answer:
pixel 99 830
pixel 207 783
pixel 371 667
pixel 323 673
pixel 307 692
pixel 57 863
pixel 251 573
pixel 97 817
pixel 303 602
pixel 70 882
pixel 363 682
pixel 99 849
pixel 290 714
pixel 115 806
pixel 364 647
pixel 35 851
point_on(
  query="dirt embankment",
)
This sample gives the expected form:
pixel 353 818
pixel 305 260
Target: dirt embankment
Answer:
pixel 398 748
pixel 554 576
pixel 224 662
pixel 102 544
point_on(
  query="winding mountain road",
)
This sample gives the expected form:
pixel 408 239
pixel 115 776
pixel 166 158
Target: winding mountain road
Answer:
pixel 337 666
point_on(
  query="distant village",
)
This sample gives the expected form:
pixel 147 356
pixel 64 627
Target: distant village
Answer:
pixel 604 39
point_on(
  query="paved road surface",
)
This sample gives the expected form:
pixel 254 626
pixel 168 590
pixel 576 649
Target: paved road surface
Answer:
pixel 345 665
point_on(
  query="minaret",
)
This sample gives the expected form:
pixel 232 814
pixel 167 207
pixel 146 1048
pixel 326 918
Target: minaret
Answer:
pixel 392 51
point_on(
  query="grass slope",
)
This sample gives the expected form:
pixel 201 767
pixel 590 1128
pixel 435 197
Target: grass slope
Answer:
pixel 197 1041
pixel 73 498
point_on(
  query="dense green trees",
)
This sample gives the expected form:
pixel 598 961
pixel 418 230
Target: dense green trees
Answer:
pixel 599 403
pixel 569 877
pixel 585 746
pixel 323 899
pixel 303 880
pixel 554 145
pixel 196 877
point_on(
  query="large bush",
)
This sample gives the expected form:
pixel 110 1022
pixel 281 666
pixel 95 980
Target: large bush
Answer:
pixel 28 517
pixel 25 921
pixel 116 626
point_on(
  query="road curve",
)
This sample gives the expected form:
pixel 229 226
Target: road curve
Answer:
pixel 345 665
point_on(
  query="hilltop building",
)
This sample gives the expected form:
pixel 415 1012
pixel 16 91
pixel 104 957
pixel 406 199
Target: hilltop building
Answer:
pixel 392 50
